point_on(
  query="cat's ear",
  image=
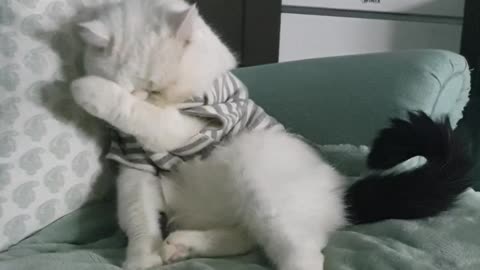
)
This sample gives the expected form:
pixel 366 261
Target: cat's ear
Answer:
pixel 95 33
pixel 188 20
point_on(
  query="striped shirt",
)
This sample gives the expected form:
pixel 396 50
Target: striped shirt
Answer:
pixel 229 111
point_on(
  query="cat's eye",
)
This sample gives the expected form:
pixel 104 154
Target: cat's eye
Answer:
pixel 100 50
pixel 103 49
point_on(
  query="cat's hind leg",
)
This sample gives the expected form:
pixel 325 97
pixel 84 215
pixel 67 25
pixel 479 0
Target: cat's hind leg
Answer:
pixel 184 244
pixel 292 248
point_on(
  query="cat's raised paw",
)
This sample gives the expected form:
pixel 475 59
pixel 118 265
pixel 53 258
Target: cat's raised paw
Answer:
pixel 96 95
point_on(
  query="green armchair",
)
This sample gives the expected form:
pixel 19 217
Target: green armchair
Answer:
pixel 339 100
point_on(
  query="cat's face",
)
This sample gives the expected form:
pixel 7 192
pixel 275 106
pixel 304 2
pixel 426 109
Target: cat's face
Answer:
pixel 153 45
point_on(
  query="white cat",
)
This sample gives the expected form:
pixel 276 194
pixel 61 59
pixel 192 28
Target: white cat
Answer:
pixel 263 187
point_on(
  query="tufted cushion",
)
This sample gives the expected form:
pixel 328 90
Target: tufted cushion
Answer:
pixel 49 147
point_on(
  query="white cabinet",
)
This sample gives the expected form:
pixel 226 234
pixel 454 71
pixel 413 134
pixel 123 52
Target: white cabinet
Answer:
pixel 427 7
pixel 357 29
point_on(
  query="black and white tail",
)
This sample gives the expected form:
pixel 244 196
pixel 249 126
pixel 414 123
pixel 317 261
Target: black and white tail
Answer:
pixel 422 192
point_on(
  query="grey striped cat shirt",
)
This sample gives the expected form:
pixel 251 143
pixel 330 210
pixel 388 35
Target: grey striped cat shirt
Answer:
pixel 228 111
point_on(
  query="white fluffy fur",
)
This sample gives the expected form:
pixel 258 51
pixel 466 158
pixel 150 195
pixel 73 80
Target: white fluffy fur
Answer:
pixel 263 187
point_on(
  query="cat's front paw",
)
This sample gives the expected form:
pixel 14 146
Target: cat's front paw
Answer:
pixel 142 262
pixel 97 96
pixel 177 247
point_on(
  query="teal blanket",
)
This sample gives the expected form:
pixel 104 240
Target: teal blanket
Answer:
pixel 90 239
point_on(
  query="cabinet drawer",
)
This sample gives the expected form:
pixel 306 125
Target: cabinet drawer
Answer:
pixel 307 36
pixel 425 7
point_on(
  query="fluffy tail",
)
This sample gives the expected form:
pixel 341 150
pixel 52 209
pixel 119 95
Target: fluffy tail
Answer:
pixel 422 192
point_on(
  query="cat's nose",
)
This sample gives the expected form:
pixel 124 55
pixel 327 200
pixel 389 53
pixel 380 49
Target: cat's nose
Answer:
pixel 140 84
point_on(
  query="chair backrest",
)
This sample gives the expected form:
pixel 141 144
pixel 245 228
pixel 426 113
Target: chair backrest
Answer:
pixel 348 99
